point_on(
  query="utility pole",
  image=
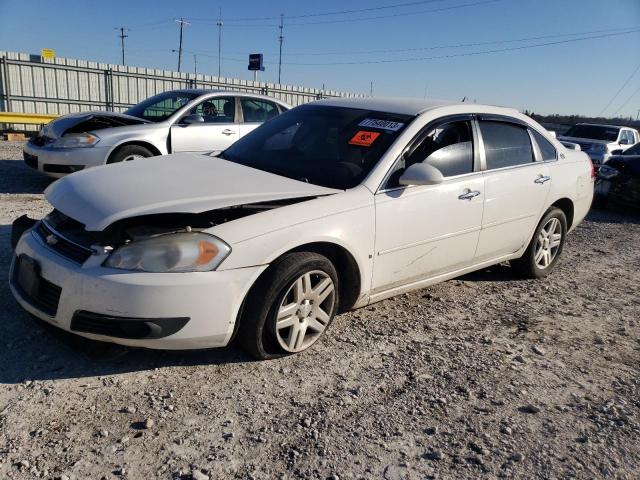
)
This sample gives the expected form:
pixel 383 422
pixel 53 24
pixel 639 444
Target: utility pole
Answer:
pixel 195 64
pixel 182 23
pixel 122 37
pixel 219 39
pixel 371 89
pixel 280 38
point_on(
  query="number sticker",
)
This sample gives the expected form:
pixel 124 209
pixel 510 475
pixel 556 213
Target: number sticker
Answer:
pixel 383 124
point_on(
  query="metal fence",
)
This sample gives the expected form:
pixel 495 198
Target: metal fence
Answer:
pixel 31 84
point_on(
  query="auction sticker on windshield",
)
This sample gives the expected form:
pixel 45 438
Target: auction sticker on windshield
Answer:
pixel 383 124
pixel 364 139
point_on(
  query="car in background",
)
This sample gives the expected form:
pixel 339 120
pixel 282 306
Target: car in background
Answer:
pixel 199 121
pixel 618 180
pixel 330 206
pixel 600 141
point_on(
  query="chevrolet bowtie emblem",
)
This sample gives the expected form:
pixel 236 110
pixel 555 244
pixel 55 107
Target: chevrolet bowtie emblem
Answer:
pixel 51 240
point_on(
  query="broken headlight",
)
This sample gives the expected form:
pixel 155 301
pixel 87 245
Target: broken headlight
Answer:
pixel 76 140
pixel 174 252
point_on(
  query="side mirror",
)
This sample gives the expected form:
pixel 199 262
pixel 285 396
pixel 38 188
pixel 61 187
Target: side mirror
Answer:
pixel 189 119
pixel 421 174
pixel 617 151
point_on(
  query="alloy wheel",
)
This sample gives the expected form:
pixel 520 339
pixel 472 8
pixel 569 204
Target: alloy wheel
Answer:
pixel 305 311
pixel 548 243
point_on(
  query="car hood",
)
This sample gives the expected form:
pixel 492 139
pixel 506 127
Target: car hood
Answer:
pixel 88 122
pixel 179 183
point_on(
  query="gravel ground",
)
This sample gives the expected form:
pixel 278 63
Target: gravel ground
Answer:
pixel 486 376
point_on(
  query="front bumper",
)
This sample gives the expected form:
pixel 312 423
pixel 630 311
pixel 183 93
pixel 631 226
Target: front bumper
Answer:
pixel 209 300
pixel 58 162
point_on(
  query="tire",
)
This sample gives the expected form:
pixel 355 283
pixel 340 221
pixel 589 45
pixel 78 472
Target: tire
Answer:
pixel 304 314
pixel 535 264
pixel 129 152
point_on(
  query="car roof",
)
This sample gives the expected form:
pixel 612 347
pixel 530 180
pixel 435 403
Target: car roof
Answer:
pixel 408 106
pixel 403 106
pixel 208 91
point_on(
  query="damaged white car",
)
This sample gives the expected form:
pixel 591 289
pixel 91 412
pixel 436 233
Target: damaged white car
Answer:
pixel 328 207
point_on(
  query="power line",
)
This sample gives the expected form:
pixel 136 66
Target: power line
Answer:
pixel 463 54
pixel 395 15
pixel 456 45
pixel 350 20
pixel 627 101
pixel 337 12
pixel 620 89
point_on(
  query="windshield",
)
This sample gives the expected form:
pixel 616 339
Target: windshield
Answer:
pixel 332 147
pixel 161 106
pixel 595 132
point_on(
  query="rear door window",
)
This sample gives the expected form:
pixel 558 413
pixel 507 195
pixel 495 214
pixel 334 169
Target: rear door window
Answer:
pixel 505 144
pixel 547 149
pixel 256 110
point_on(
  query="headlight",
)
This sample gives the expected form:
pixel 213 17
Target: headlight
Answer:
pixel 76 140
pixel 599 148
pixel 174 252
pixel 607 172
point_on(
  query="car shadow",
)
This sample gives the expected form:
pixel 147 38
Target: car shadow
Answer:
pixel 31 349
pixel 16 177
pixel 614 214
pixel 496 273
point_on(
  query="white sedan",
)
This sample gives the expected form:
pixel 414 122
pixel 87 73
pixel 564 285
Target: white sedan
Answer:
pixel 328 207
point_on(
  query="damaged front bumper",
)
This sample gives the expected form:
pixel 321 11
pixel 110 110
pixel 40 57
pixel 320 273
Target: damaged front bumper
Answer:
pixel 58 162
pixel 153 310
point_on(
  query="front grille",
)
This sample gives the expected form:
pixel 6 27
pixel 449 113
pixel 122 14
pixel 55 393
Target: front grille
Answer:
pixel 30 160
pixel 61 245
pixel 47 297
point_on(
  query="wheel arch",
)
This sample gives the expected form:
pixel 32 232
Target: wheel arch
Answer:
pixel 566 205
pixel 142 143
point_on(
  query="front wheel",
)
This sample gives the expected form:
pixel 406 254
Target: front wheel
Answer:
pixel 545 248
pixel 129 153
pixel 290 306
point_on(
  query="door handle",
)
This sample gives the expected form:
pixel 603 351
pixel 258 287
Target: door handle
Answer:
pixel 227 131
pixel 468 194
pixel 542 179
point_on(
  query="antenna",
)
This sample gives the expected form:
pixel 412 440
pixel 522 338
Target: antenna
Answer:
pixel 182 23
pixel 280 38
pixel 123 31
pixel 219 24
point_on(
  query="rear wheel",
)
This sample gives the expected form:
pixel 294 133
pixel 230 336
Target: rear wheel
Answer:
pixel 290 306
pixel 130 152
pixel 545 248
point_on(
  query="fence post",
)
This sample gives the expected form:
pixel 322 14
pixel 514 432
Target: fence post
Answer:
pixel 6 86
pixel 108 90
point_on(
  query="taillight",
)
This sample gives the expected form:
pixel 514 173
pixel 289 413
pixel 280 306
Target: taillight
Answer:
pixel 593 170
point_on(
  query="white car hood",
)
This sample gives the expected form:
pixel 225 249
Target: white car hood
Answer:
pixel 179 183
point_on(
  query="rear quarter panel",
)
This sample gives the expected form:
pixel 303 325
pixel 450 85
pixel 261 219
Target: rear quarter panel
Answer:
pixel 572 178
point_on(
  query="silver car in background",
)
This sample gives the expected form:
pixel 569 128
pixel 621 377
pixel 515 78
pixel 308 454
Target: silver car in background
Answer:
pixel 199 121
